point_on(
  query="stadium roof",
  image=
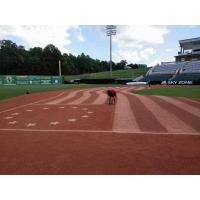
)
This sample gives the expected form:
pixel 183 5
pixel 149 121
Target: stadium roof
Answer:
pixel 193 43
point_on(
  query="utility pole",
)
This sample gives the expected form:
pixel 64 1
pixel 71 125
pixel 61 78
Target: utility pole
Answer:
pixel 59 64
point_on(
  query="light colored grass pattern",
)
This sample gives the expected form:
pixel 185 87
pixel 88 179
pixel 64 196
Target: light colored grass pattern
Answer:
pixel 179 91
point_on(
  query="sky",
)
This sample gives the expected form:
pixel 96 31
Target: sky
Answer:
pixel 143 44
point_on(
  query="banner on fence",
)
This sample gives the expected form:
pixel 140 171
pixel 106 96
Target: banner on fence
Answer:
pixel 9 80
pixel 22 80
pixel 26 80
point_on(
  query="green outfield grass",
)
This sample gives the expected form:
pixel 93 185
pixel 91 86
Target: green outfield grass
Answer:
pixel 178 91
pixel 17 90
pixel 131 73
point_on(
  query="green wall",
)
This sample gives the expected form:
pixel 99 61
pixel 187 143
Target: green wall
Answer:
pixel 29 80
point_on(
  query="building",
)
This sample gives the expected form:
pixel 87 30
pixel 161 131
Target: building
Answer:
pixel 189 50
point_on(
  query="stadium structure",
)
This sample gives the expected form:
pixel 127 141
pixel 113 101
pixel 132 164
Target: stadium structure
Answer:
pixel 185 69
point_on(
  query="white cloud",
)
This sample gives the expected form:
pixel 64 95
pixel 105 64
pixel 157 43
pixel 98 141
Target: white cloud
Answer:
pixel 136 43
pixel 146 53
pixel 126 55
pixel 133 56
pixel 80 36
pixel 159 60
pixel 168 49
pixel 32 36
pixel 155 62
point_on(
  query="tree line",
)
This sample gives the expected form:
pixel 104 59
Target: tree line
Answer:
pixel 16 60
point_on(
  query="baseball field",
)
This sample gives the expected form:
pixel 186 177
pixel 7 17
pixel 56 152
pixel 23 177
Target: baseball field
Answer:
pixel 76 131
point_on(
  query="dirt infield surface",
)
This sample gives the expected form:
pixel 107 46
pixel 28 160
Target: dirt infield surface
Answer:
pixel 78 132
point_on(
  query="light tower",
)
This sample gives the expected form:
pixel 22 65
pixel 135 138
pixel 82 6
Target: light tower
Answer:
pixel 59 65
pixel 111 30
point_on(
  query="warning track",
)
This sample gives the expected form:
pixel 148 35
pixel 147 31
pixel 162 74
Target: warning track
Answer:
pixel 77 132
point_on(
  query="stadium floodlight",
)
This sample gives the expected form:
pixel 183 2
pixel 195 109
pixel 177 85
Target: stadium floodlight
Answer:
pixel 111 30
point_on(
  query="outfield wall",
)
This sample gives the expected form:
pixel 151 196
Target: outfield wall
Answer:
pixel 30 80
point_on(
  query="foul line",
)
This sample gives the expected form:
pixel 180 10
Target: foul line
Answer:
pixel 102 131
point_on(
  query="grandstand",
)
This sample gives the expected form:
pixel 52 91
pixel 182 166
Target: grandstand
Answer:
pixel 189 50
pixel 185 69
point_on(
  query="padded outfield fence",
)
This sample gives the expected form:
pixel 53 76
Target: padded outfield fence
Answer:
pixel 30 80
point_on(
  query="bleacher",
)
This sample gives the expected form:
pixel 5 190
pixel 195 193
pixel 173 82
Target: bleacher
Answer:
pixel 166 68
pixel 185 68
pixel 191 67
pixel 179 71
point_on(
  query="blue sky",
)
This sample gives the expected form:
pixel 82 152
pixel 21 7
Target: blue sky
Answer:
pixel 136 44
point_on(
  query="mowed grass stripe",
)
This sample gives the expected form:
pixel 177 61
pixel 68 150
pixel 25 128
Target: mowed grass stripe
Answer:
pixel 179 91
pixel 131 73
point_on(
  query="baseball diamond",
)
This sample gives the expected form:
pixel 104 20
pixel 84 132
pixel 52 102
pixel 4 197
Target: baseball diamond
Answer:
pixel 76 131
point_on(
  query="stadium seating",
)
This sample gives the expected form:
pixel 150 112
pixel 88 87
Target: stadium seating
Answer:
pixel 191 67
pixel 176 71
pixel 166 68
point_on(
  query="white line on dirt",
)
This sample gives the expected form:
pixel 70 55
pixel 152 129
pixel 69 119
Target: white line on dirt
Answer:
pixel 14 114
pixel 85 116
pixel 30 124
pixel 54 123
pixel 74 107
pixel 13 122
pixel 8 117
pixel 72 120
pixel 100 131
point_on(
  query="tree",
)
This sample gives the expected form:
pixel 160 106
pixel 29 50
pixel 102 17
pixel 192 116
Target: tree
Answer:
pixel 17 60
pixel 51 57
pixel 35 61
pixel 11 57
pixel 121 64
